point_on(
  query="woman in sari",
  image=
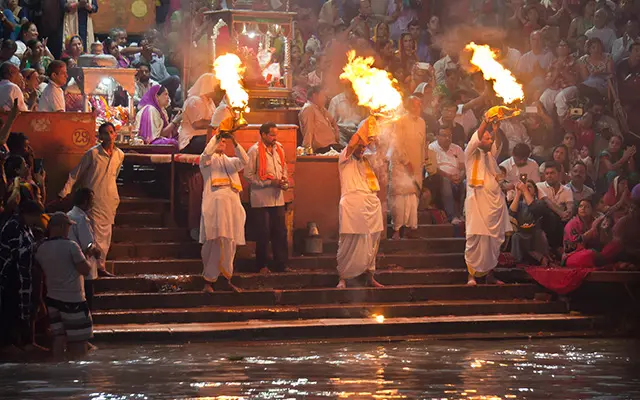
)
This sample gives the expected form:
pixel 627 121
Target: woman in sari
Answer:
pixel 405 58
pixel 152 121
pixel 14 16
pixel 588 241
pixel 73 48
pixel 31 90
pixel 614 161
pixel 528 242
pixel 111 47
pixel 616 200
pixel 78 20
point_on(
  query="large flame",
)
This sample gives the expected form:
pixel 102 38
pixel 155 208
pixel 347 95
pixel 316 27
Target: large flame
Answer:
pixel 229 70
pixel 373 86
pixel 504 83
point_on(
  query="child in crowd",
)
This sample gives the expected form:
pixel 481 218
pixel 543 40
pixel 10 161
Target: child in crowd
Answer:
pixel 97 49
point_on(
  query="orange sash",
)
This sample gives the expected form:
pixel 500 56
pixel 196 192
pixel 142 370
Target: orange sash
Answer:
pixel 262 160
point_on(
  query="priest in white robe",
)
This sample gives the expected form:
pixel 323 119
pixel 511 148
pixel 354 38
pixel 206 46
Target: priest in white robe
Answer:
pixel 360 215
pixel 223 217
pixel 487 217
pixel 407 157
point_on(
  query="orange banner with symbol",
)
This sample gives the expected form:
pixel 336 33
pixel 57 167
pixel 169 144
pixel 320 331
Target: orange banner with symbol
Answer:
pixel 60 139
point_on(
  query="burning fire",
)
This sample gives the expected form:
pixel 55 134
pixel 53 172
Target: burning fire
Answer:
pixel 229 70
pixel 504 83
pixel 373 86
pixel 378 317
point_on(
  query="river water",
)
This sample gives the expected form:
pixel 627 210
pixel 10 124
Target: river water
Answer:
pixel 507 369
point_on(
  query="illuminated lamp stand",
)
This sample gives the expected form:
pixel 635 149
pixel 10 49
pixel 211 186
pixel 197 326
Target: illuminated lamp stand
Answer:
pixel 125 77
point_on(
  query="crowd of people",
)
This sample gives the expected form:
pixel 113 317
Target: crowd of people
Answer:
pixel 555 183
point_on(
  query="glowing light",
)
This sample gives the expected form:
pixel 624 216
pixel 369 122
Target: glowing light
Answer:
pixel 504 83
pixel 373 87
pixel 379 318
pixel 229 70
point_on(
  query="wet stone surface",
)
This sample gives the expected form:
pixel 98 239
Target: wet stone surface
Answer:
pixel 542 369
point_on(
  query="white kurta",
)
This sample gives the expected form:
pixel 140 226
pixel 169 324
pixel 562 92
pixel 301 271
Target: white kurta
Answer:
pixel 407 155
pixel 487 217
pixel 223 217
pixel 98 171
pixel 361 222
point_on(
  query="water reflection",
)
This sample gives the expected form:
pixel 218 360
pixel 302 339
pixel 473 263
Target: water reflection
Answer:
pixel 554 369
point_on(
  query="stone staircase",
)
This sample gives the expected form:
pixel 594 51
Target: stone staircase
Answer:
pixel 157 295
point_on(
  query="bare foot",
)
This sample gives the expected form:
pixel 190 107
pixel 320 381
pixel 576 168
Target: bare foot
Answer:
pixel 208 288
pixel 342 284
pixel 471 281
pixel 371 281
pixel 491 278
pixel 265 270
pixel 233 287
pixel 396 235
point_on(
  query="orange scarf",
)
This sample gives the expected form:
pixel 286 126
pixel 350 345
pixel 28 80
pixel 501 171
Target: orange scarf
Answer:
pixel 262 160
pixel 372 181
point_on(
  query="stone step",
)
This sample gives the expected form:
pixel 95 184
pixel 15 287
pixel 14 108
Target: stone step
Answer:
pixel 136 204
pixel 145 235
pixel 429 230
pixel 396 310
pixel 388 294
pixel 488 326
pixel 140 219
pixel 325 262
pixel 291 280
pixel 191 249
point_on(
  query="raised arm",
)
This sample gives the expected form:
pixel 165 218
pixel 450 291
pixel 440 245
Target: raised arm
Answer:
pixel 75 174
pixel 241 159
pixel 5 129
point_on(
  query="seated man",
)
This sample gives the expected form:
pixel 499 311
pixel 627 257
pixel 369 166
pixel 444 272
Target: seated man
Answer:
pixel 576 185
pixel 451 169
pixel 559 201
pixel 448 112
pixel 344 109
pixel 319 130
pixel 519 167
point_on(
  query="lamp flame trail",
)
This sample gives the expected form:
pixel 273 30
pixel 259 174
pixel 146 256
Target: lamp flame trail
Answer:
pixel 228 69
pixel 373 87
pixel 504 83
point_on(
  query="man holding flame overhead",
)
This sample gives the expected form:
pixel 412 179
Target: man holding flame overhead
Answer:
pixel 487 217
pixel 361 222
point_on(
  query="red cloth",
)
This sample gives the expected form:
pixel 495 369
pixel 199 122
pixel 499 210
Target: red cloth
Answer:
pixel 559 280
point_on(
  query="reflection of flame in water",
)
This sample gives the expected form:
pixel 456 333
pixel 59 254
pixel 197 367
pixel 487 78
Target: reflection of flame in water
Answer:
pixel 229 70
pixel 373 86
pixel 504 83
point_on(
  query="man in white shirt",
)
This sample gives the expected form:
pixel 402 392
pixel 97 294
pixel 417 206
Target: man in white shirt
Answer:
pixel 268 177
pixel 82 233
pixel 622 46
pixel 52 98
pixel 64 266
pixel 533 66
pixel 576 185
pixel 451 169
pixel 361 221
pixel 11 87
pixel 98 170
pixel 520 167
pixel 319 129
pixel 344 109
pixel 559 200
pixel 601 31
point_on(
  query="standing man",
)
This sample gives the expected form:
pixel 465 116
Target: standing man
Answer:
pixel 361 223
pixel 98 170
pixel 487 215
pixel 52 98
pixel 407 159
pixel 82 233
pixel 319 129
pixel 223 217
pixel 267 174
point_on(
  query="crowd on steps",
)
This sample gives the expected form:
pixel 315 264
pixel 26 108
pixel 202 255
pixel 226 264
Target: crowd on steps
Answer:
pixel 555 185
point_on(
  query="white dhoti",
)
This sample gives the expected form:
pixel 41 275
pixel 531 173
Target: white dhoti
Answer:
pixel 357 254
pixel 404 211
pixel 102 234
pixel 481 254
pixel 217 256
